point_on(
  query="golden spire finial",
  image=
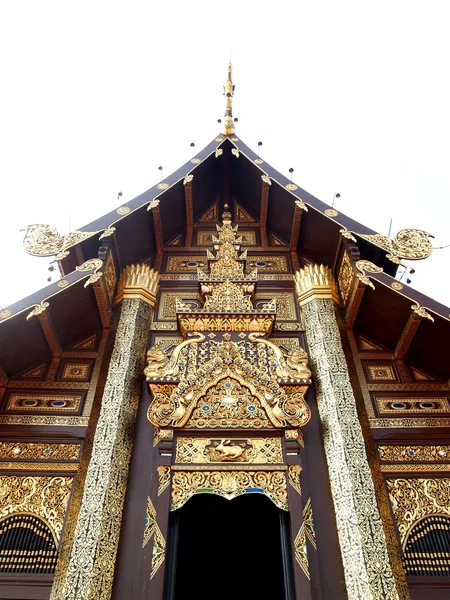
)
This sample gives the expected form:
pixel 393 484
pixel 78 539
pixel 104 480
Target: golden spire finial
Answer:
pixel 228 92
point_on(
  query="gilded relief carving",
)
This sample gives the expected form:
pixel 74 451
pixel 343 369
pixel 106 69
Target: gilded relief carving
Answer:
pixel 229 485
pixel 45 497
pixel 414 453
pixel 345 277
pixel 218 450
pixel 414 499
pixel 168 301
pixel 275 263
pixel 22 451
pixel 205 238
pixel 285 303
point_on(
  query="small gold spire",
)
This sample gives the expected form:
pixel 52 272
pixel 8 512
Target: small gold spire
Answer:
pixel 228 92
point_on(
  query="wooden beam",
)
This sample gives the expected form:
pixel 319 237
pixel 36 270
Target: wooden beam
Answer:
pixel 266 183
pixel 189 211
pixel 103 302
pixel 50 334
pixel 296 225
pixel 407 336
pixel 353 304
pixel 3 376
pixel 158 229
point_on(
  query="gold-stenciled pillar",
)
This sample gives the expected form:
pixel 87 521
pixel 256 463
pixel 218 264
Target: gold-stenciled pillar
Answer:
pixel 87 570
pixel 364 551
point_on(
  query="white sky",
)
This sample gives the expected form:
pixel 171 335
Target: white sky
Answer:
pixel 96 95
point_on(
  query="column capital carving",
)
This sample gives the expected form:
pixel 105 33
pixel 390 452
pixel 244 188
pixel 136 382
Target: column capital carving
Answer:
pixel 138 281
pixel 315 281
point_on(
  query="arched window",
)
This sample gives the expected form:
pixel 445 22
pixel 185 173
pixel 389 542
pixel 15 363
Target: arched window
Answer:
pixel 27 545
pixel 427 549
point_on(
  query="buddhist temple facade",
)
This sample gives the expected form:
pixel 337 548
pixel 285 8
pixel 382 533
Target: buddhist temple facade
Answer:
pixel 227 394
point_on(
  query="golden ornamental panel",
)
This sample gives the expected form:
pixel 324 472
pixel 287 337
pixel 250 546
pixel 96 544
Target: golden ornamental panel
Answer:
pixel 236 450
pixel 45 497
pixel 414 453
pixel 186 264
pixel 266 264
pixel 294 477
pixel 109 276
pixel 380 371
pixel 285 302
pixel 76 370
pixel 168 303
pixel 205 238
pixel 167 342
pixel 345 277
pixel 24 451
pixel 229 485
pixel 25 402
pixel 414 499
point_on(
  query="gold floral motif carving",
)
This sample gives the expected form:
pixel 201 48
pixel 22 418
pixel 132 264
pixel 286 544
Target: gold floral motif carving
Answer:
pixel 110 276
pixel 164 478
pixel 366 265
pixel 367 567
pixel 94 264
pixel 229 485
pixel 274 263
pixel 162 434
pixel 381 372
pixel 168 302
pixel 294 477
pixel 414 499
pixel 38 309
pixel 150 522
pixel 167 342
pixel 45 497
pixel 416 468
pixel 159 550
pixel 5 313
pixel 40 467
pixel 414 453
pixel 285 303
pixel 308 523
pixel 345 277
pixel 75 371
pixel 242 322
pixel 44 240
pixel 301 552
pixel 183 264
pixel 205 238
pixel 242 450
pixel 22 451
pixel 421 311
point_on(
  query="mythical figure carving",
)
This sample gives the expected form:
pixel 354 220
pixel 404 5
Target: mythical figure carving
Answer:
pixel 289 366
pixel 44 240
pixel 162 364
pixel 412 244
pixel 229 451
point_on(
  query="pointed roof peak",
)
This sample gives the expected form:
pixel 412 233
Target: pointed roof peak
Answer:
pixel 228 92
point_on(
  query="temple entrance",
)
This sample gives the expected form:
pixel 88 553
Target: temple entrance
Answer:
pixel 238 549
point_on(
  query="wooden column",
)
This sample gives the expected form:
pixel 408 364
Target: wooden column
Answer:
pixel 86 567
pixel 364 550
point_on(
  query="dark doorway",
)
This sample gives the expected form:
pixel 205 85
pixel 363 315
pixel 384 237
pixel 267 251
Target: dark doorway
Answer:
pixel 220 549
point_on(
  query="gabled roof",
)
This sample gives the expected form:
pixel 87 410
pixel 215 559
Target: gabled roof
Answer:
pixel 164 217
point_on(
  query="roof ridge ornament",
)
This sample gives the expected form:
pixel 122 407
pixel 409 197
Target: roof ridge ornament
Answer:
pixel 228 92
